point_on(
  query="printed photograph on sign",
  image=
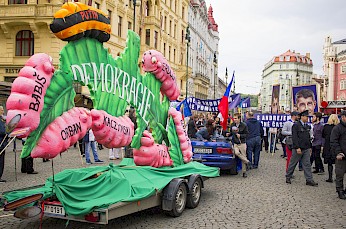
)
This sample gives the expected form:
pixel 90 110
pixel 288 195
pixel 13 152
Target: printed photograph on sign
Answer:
pixel 305 98
pixel 275 99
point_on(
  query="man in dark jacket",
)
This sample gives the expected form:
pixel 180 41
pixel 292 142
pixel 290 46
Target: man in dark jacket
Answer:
pixel 301 149
pixel 338 145
pixel 239 134
pixel 192 127
pixel 253 141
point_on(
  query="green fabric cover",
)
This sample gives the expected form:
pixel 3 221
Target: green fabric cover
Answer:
pixel 80 194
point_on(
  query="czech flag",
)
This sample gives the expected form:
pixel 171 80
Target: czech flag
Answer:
pixel 184 108
pixel 223 105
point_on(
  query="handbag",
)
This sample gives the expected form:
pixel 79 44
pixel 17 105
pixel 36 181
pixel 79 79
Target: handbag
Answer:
pixel 289 142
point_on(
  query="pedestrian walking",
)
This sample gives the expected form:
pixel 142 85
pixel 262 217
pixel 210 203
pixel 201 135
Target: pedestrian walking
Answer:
pixel 239 135
pixel 287 132
pixel 327 154
pixel 317 143
pixel 338 144
pixel 253 141
pixel 301 149
pixel 89 140
pixel 114 153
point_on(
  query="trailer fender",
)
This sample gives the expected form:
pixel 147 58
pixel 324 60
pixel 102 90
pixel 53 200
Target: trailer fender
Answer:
pixel 169 191
pixel 192 179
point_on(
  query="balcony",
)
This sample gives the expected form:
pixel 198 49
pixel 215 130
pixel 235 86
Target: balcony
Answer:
pixel 152 20
pixel 11 12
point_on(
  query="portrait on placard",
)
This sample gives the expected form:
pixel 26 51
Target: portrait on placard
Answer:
pixel 275 99
pixel 305 98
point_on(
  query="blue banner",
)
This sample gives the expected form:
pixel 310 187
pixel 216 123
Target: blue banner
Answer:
pixel 278 120
pixel 211 105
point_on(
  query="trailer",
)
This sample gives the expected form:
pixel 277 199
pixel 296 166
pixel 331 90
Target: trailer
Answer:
pixel 175 191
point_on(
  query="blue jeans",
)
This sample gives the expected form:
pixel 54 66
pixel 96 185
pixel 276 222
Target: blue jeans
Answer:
pixel 87 150
pixel 253 147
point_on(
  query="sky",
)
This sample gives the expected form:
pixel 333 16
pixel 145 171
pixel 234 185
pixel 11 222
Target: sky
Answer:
pixel 252 32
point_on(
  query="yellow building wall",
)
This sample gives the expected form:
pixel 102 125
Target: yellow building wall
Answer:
pixel 37 15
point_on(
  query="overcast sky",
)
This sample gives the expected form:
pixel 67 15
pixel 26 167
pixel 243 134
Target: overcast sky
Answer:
pixel 252 32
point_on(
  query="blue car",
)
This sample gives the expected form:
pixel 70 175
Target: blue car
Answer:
pixel 216 154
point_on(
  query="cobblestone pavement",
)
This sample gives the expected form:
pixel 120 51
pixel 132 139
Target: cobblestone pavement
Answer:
pixel 263 200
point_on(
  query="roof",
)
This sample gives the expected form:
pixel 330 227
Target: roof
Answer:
pixel 290 56
pixel 343 42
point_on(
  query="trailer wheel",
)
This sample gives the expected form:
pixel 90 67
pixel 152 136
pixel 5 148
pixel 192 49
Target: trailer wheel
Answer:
pixel 179 201
pixel 195 196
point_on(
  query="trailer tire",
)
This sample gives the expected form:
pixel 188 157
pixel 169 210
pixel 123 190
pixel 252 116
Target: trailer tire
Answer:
pixel 180 196
pixel 195 194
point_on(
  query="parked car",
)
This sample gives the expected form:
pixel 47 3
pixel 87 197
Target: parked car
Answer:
pixel 216 154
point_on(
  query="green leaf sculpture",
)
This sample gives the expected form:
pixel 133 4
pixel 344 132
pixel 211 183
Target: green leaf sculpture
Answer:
pixel 113 84
pixel 174 150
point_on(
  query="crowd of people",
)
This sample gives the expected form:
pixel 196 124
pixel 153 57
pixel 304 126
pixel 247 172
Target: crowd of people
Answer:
pixel 246 137
pixel 309 145
pixel 304 144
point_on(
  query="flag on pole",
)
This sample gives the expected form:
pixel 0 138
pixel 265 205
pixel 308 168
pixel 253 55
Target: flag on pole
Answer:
pixel 223 105
pixel 184 108
pixel 245 103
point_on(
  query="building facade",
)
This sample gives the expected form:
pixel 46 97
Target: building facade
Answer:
pixel 203 51
pixel 284 72
pixel 334 56
pixel 24 31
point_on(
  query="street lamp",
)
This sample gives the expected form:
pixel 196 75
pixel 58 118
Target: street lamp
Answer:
pixel 135 3
pixel 188 39
pixel 215 64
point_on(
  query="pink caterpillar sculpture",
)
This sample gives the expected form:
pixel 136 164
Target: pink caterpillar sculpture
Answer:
pixel 151 154
pixel 28 91
pixel 112 132
pixel 154 62
pixel 62 133
pixel 185 143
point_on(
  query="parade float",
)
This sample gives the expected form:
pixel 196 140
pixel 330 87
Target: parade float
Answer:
pixel 42 107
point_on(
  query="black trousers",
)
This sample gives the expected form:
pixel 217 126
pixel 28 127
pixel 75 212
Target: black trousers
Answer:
pixel 266 143
pixel 27 165
pixel 340 170
pixel 316 156
pixel 2 163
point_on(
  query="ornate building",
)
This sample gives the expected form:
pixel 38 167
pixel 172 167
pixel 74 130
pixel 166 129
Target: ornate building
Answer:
pixel 286 71
pixel 203 51
pixel 334 56
pixel 24 30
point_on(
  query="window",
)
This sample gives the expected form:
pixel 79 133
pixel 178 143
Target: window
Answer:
pixel 175 31
pixel 183 13
pixel 155 39
pixel 147 8
pixel 129 25
pixel 343 84
pixel 343 69
pixel 173 55
pixel 119 26
pixel 10 2
pixel 182 36
pixel 170 27
pixel 147 36
pixel 165 23
pixel 169 52
pixel 25 43
pixel 97 5
pixel 110 16
pixel 164 49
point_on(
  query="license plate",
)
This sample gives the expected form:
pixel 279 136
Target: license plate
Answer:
pixel 203 150
pixel 54 210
